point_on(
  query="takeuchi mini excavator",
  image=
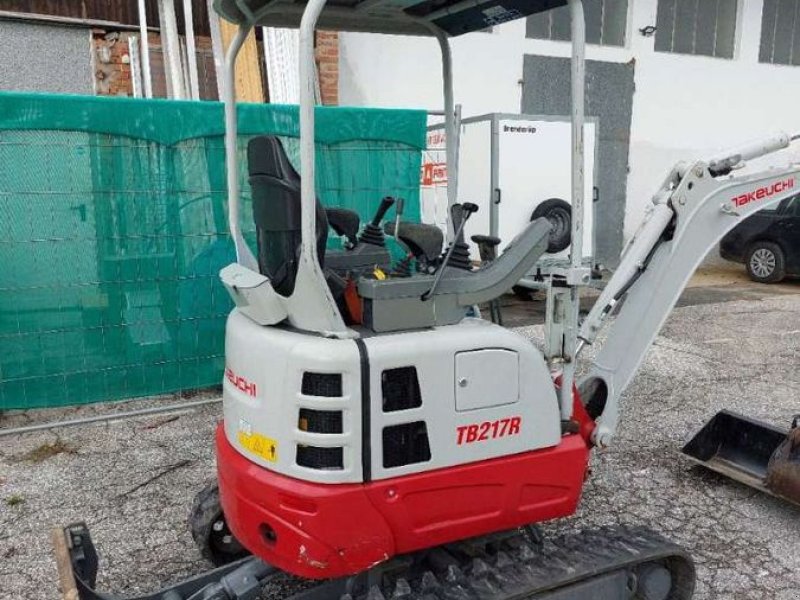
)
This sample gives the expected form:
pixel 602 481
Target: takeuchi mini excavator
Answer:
pixel 379 436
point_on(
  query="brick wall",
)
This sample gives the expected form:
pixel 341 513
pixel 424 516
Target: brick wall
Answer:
pixel 112 69
pixel 327 56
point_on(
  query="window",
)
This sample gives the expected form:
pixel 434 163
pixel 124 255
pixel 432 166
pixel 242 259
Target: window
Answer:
pixel 400 389
pixel 794 206
pixel 788 207
pixel 606 22
pixel 702 27
pixel 780 32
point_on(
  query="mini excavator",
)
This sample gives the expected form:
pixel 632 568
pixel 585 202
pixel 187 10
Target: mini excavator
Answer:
pixel 380 439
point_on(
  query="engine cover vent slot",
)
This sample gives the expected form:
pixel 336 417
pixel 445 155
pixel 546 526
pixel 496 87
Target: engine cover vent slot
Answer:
pixel 320 421
pixel 314 457
pixel 328 385
pixel 400 389
pixel 405 444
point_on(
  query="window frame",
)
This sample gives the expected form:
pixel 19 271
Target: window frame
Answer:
pixel 795 35
pixel 627 30
pixel 735 42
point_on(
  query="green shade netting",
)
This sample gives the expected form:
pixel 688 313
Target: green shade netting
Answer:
pixel 113 230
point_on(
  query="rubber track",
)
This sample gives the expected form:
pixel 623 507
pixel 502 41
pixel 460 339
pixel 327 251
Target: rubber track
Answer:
pixel 519 568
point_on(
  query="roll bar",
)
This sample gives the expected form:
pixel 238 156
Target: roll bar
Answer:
pixel 578 77
pixel 311 279
pixel 314 308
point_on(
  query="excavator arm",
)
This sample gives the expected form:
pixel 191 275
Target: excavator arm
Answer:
pixel 697 204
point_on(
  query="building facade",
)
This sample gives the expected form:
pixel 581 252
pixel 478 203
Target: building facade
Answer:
pixel 667 79
pixel 94 47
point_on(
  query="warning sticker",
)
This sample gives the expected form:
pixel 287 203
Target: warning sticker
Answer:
pixel 260 445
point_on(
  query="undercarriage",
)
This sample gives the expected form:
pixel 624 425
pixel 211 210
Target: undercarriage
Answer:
pixel 610 563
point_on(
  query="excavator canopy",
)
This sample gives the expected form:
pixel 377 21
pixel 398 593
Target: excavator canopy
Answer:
pixel 411 17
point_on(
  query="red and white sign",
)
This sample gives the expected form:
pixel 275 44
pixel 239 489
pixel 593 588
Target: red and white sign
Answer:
pixel 434 173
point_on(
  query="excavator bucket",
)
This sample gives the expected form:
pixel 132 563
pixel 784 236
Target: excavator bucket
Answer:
pixel 759 455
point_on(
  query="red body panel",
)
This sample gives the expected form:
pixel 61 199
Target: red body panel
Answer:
pixel 322 530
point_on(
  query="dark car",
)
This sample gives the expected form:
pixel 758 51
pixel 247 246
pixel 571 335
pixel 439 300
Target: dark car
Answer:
pixel 768 243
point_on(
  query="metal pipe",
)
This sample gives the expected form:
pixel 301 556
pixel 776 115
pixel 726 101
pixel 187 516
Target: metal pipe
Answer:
pixel 217 48
pixel 733 158
pixel 109 417
pixel 191 52
pixel 171 49
pixel 243 254
pixel 457 149
pixel 136 65
pixel 578 76
pixel 144 50
pixel 450 131
pixel 69 21
pixel 494 178
pixel 307 131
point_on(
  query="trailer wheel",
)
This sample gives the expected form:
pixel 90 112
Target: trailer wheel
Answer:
pixel 209 529
pixel 765 262
pixel 559 213
pixel 522 293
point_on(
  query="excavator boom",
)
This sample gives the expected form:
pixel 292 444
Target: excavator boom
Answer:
pixel 696 205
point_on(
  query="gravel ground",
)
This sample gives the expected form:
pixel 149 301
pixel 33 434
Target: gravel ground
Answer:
pixel 133 480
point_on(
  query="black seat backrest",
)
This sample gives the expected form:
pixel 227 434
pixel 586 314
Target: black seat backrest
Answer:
pixel 275 185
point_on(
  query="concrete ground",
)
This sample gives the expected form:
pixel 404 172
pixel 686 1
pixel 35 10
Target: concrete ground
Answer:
pixel 730 344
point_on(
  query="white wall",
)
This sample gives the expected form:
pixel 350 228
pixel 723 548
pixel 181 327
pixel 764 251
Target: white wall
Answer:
pixel 684 106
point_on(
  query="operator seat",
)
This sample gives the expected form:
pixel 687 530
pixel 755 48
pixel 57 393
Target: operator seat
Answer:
pixel 275 186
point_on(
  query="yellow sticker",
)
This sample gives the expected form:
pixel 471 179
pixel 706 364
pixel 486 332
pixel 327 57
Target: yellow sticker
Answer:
pixel 260 445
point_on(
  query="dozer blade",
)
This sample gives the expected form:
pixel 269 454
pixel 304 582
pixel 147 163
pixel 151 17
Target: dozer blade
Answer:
pixel 756 454
pixel 77 563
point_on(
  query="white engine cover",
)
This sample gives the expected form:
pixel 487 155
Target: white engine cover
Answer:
pixel 485 392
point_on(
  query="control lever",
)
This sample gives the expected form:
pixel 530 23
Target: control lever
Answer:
pixel 345 223
pixel 460 214
pixel 373 234
pixel 398 212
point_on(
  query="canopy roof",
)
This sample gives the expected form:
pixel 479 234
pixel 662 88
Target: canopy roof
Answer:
pixel 455 17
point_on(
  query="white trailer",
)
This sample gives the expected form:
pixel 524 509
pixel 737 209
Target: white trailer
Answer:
pixel 508 165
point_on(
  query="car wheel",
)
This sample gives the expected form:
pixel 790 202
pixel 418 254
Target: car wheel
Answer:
pixel 766 263
pixel 559 213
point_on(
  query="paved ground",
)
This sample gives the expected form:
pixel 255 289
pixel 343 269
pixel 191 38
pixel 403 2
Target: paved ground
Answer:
pixel 731 344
